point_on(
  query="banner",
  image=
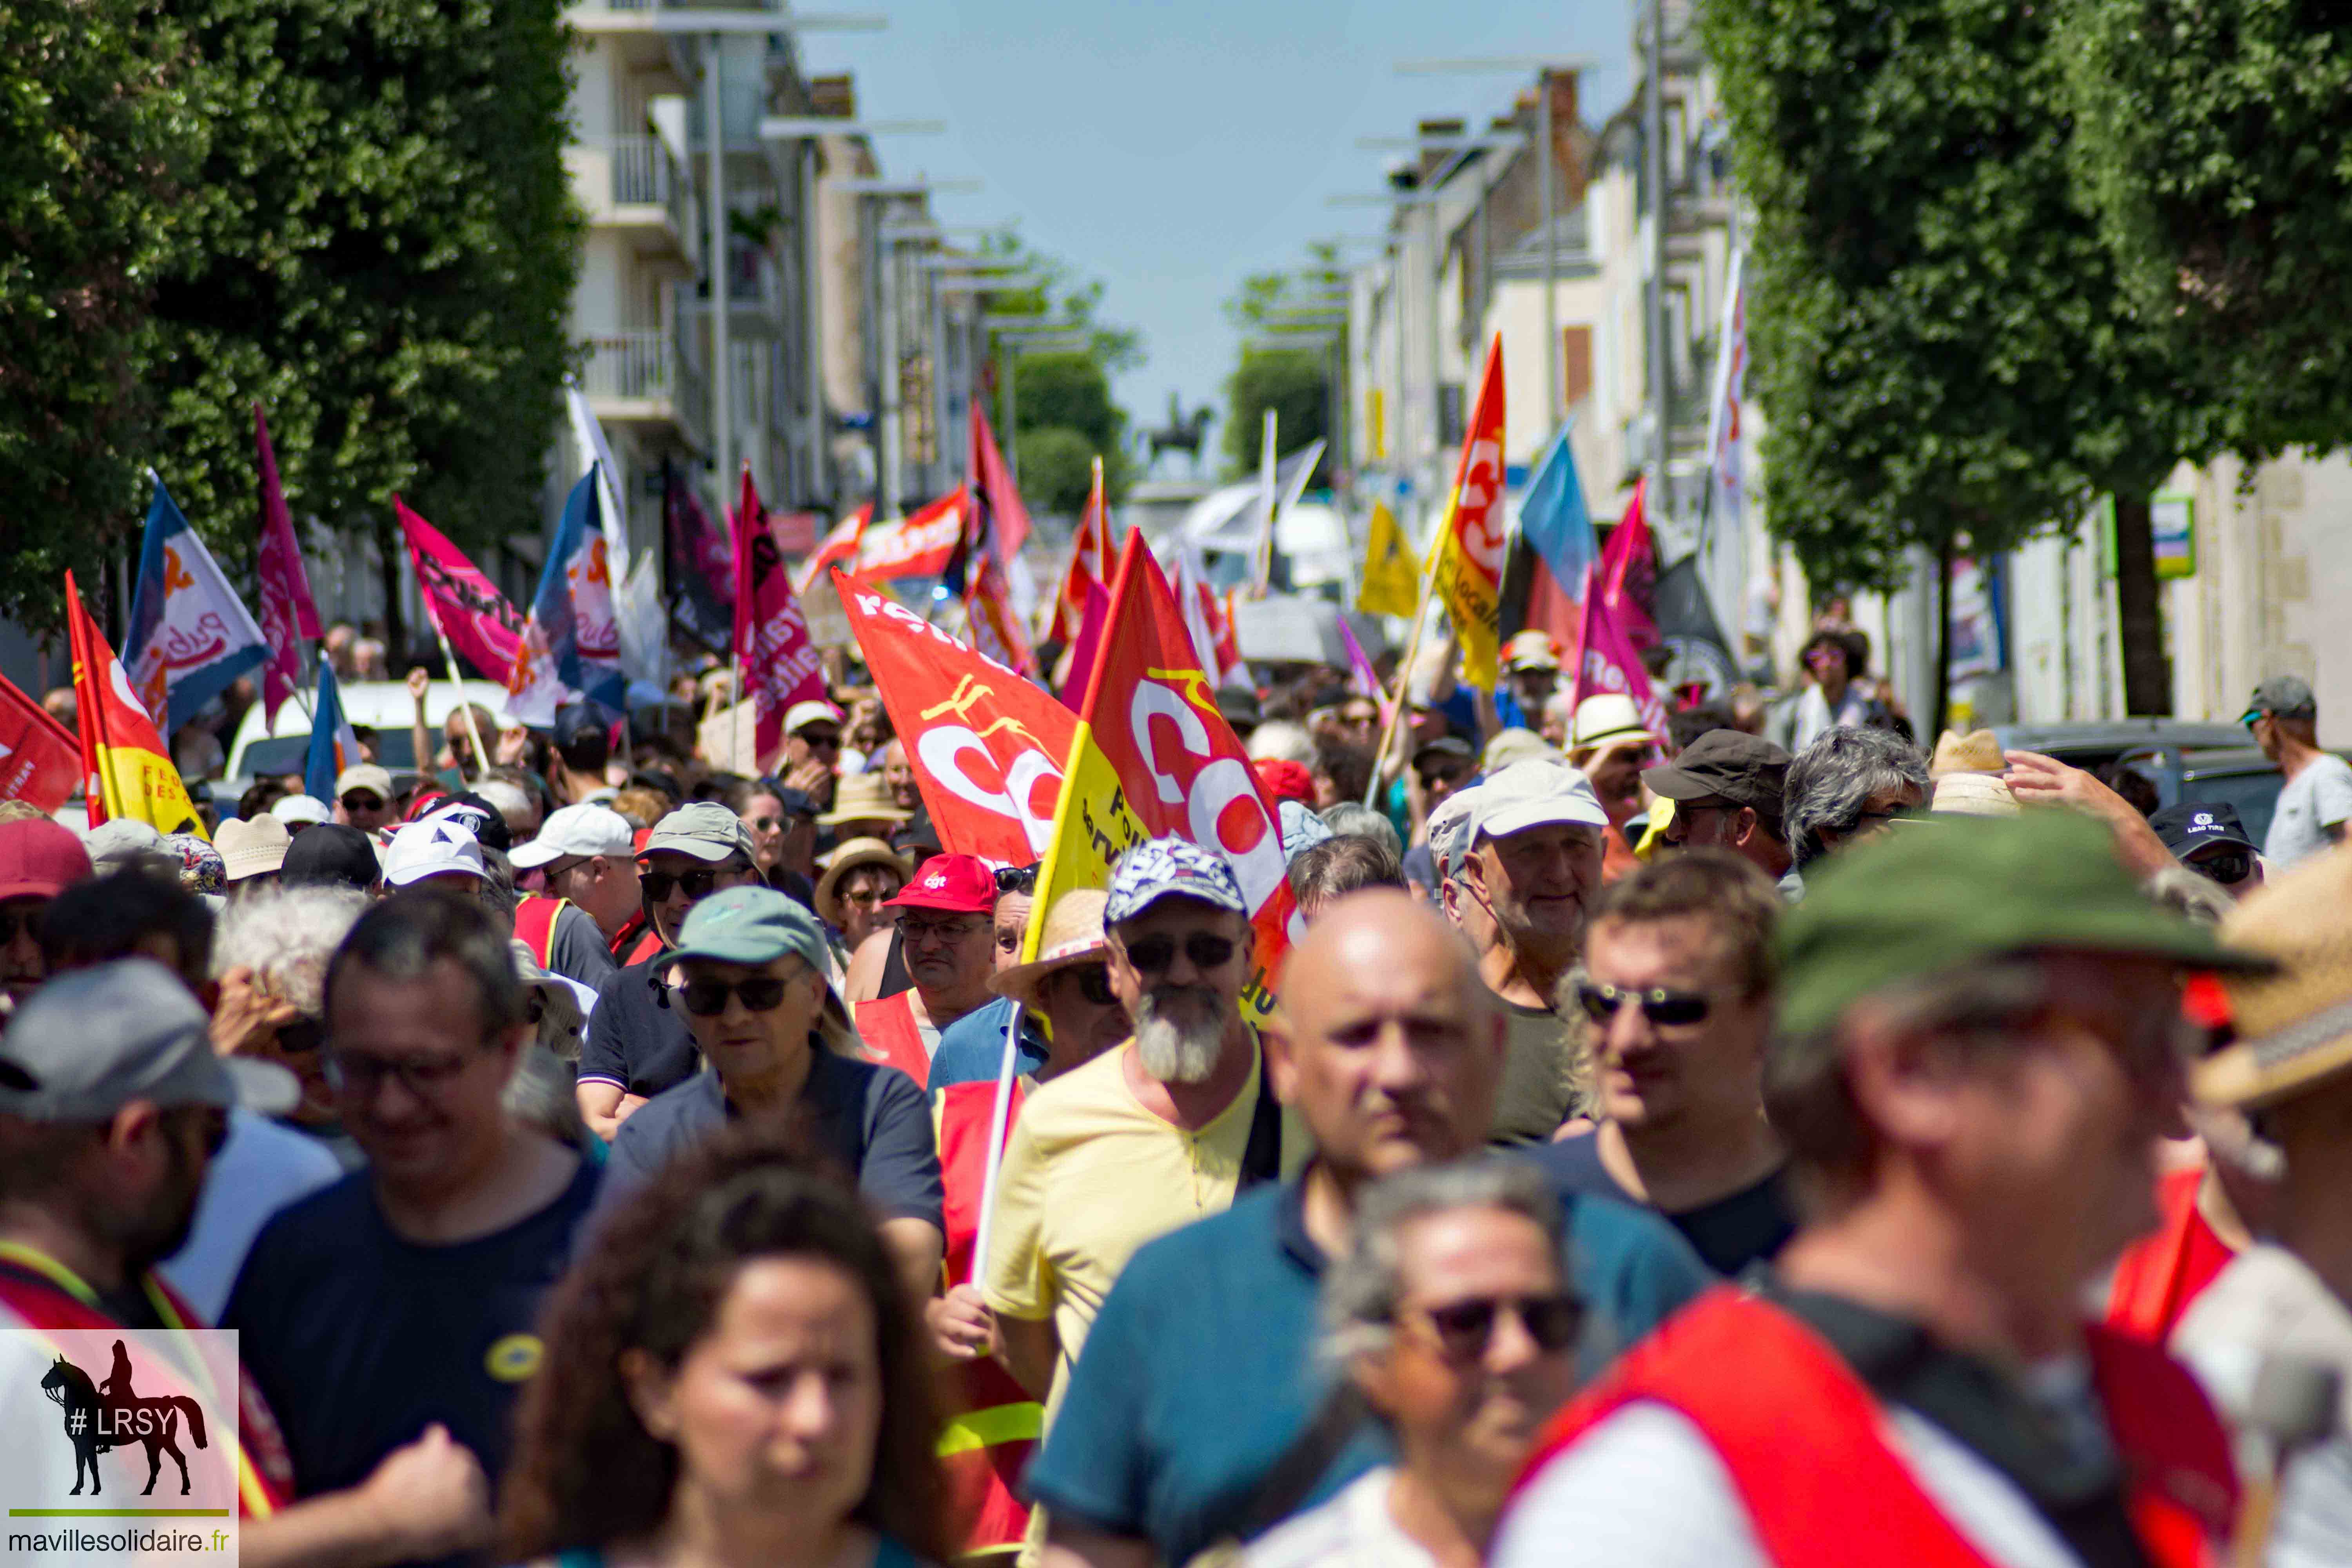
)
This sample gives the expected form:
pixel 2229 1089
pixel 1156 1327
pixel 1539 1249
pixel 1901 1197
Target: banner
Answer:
pixel 641 636
pixel 40 760
pixel 1607 661
pixel 996 624
pixel 1392 579
pixel 570 644
pixel 1627 573
pixel 333 747
pixel 126 767
pixel 988 748
pixel 1089 569
pixel 190 633
pixel 463 605
pixel 915 546
pixel 838 548
pixel 1470 538
pixel 781 666
pixel 287 612
pixel 701 562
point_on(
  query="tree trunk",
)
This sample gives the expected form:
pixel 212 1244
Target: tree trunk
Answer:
pixel 395 642
pixel 1942 710
pixel 2147 675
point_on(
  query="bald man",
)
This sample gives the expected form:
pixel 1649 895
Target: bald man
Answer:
pixel 1198 1410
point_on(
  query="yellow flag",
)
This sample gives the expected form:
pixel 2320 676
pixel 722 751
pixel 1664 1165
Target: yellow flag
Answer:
pixel 1470 544
pixel 1391 582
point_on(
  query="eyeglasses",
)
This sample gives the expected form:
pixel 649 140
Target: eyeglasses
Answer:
pixel 2228 867
pixel 1662 1006
pixel 1016 879
pixel 698 884
pixel 820 740
pixel 1464 1330
pixel 427 1077
pixel 708 998
pixel 361 800
pixel 26 920
pixel 1155 953
pixel 1092 981
pixel 913 930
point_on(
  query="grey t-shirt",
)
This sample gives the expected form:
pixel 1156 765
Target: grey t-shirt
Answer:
pixel 1543 1074
pixel 2315 800
pixel 578 951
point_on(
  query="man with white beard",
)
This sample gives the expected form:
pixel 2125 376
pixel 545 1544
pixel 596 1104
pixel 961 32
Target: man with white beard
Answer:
pixel 1153 1135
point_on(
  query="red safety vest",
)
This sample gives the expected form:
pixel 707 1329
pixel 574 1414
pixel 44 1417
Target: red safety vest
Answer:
pixel 993 1425
pixel 1804 1439
pixel 887 1027
pixel 38 1292
pixel 635 942
pixel 534 927
pixel 2162 1273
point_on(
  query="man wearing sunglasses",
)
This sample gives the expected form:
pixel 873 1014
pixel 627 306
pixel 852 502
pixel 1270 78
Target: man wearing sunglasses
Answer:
pixel 751 966
pixel 638 1044
pixel 1976 1052
pixel 1676 991
pixel 2207 837
pixel 948 938
pixel 813 749
pixel 589 891
pixel 2315 806
pixel 363 797
pixel 1727 789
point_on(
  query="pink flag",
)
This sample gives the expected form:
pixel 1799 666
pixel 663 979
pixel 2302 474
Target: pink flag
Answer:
pixel 1087 646
pixel 997 500
pixel 1628 569
pixel 1607 662
pixel 288 613
pixel 1362 679
pixel 781 666
pixel 465 608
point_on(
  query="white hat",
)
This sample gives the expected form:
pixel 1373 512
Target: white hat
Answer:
pixel 1532 794
pixel 251 849
pixel 425 849
pixel 584 829
pixel 367 776
pixel 1605 717
pixel 800 715
pixel 293 808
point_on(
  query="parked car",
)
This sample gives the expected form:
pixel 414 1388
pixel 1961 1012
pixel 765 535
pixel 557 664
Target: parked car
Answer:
pixel 260 749
pixel 2185 759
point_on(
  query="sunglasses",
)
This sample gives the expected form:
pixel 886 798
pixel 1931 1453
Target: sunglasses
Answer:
pixel 1660 1004
pixel 1016 879
pixel 708 998
pixel 820 740
pixel 698 884
pixel 1155 953
pixel 359 800
pixel 1464 1330
pixel 12 921
pixel 2229 868
pixel 1094 982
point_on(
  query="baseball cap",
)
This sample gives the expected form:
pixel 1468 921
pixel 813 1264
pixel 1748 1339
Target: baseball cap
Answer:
pixel 39 857
pixel 1301 829
pixel 253 848
pixel 376 780
pixel 429 848
pixel 2200 825
pixel 961 884
pixel 2282 697
pixel 299 808
pixel 800 715
pixel 577 718
pixel 1725 764
pixel 1441 746
pixel 1530 649
pixel 750 925
pixel 1534 793
pixel 1237 706
pixel 1908 905
pixel 90 1041
pixel 1449 828
pixel 1171 868
pixel 1285 780
pixel 332 855
pixel 584 829
pixel 124 842
pixel 477 816
pixel 703 829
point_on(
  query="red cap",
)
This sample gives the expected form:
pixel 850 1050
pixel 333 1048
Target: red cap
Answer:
pixel 1285 779
pixel 961 884
pixel 38 857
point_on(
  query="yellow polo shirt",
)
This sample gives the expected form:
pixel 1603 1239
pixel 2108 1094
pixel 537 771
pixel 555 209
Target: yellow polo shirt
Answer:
pixel 1090 1174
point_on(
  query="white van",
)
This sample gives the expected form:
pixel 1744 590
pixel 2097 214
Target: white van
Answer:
pixel 383 705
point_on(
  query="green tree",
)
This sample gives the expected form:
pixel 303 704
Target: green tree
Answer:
pixel 1946 354
pixel 2214 141
pixel 92 135
pixel 380 245
pixel 1295 381
pixel 1062 403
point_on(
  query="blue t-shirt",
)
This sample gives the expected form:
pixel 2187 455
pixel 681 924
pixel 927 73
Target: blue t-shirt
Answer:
pixel 1201 1370
pixel 972 1049
pixel 869 1119
pixel 359 1338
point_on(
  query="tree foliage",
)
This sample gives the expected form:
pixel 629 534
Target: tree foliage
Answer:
pixel 1295 381
pixel 2214 141
pixel 359 216
pixel 1063 403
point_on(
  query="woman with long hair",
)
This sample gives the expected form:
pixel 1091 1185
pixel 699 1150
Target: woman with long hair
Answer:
pixel 733 1377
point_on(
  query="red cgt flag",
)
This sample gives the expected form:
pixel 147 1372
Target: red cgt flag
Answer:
pixel 40 760
pixel 1090 563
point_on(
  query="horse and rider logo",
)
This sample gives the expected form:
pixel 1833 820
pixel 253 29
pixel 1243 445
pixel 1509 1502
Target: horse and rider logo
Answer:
pixel 111 1414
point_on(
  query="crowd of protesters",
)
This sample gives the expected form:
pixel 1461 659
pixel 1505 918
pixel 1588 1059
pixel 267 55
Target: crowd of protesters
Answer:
pixel 1754 1139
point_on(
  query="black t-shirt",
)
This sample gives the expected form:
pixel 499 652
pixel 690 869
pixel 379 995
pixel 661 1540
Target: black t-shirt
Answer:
pixel 637 1038
pixel 360 1339
pixel 1750 1225
pixel 869 1118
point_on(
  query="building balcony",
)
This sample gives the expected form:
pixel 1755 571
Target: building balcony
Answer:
pixel 632 184
pixel 637 378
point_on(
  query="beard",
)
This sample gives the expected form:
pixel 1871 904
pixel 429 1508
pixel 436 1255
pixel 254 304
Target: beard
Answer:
pixel 1180 1033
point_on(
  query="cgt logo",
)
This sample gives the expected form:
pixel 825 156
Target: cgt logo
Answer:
pixel 1482 520
pixel 1215 795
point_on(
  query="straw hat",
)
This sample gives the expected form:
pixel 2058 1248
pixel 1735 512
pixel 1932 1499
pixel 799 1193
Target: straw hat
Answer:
pixel 1515 745
pixel 252 848
pixel 1605 722
pixel 2293 1027
pixel 1073 935
pixel 1972 794
pixel 862 797
pixel 848 857
pixel 1975 752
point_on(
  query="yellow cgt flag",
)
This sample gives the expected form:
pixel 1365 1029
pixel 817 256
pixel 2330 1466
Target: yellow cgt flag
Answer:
pixel 125 761
pixel 1470 543
pixel 1391 581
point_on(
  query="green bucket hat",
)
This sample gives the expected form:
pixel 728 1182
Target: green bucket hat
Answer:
pixel 751 926
pixel 1927 896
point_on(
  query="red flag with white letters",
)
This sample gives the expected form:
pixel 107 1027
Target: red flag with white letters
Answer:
pixel 40 760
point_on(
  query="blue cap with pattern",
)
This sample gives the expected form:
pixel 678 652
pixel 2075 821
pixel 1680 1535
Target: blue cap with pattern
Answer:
pixel 1171 868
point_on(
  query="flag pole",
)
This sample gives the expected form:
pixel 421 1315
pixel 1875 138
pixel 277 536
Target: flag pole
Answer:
pixel 745 615
pixel 1404 672
pixel 449 658
pixel 996 1120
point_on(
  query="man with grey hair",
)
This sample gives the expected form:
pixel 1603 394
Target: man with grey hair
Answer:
pixel 1353 818
pixel 1327 872
pixel 1455 1323
pixel 1849 784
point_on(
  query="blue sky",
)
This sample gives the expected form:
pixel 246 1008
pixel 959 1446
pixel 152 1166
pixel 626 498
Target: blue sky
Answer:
pixel 1170 150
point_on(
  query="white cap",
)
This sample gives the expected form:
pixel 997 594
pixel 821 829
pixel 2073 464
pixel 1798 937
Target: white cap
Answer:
pixel 294 808
pixel 585 830
pixel 425 849
pixel 1606 717
pixel 1534 793
pixel 800 715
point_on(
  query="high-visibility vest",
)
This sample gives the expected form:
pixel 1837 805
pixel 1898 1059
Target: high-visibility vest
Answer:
pixel 634 942
pixel 1804 1440
pixel 892 1037
pixel 2159 1275
pixel 534 927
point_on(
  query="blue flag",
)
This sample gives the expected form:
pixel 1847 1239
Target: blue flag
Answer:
pixel 1555 522
pixel 571 644
pixel 333 747
pixel 190 636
